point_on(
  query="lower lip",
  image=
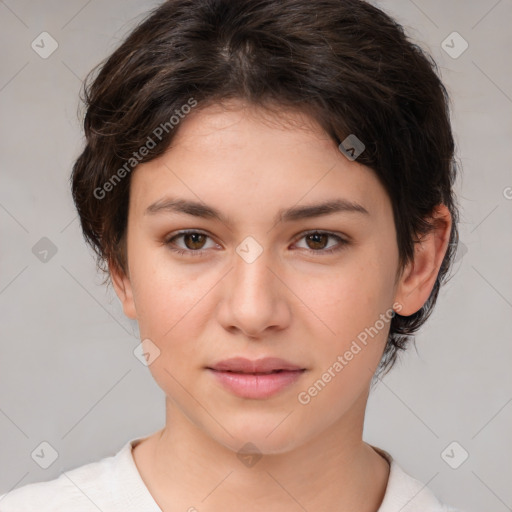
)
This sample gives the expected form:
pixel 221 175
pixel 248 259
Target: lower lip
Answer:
pixel 247 385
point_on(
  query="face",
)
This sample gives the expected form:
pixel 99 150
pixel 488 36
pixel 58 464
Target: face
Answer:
pixel 266 276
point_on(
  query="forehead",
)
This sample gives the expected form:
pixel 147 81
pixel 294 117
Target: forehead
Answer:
pixel 222 153
pixel 234 121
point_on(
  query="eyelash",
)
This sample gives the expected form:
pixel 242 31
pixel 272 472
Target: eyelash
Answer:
pixel 199 252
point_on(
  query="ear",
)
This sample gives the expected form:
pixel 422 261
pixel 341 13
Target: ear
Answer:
pixel 123 288
pixel 419 276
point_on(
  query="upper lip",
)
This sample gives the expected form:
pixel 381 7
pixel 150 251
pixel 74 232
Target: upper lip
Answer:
pixel 243 365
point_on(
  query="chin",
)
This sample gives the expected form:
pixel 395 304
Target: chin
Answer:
pixel 261 438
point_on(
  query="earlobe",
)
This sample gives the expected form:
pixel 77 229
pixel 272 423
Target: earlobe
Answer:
pixel 123 288
pixel 419 276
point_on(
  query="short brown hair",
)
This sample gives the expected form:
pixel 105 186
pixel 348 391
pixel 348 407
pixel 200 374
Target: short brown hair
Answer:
pixel 345 63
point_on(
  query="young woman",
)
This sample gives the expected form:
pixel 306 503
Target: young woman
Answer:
pixel 268 186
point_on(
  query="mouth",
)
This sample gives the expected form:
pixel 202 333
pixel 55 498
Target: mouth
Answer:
pixel 256 373
pixel 259 379
pixel 264 366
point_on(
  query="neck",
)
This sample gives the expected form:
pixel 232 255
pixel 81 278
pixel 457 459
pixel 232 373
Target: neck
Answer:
pixel 185 469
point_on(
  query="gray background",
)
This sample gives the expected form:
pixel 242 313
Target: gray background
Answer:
pixel 68 375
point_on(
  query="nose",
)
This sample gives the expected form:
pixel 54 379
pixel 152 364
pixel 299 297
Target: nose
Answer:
pixel 254 297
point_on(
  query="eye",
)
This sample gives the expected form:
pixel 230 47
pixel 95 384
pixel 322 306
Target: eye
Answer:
pixel 318 240
pixel 194 243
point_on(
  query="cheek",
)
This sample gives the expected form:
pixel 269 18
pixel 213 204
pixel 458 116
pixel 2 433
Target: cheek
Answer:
pixel 165 295
pixel 355 313
pixel 347 304
pixel 168 305
pixel 174 303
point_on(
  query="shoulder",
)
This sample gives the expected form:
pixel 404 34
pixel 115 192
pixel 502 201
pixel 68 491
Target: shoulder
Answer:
pixel 406 494
pixel 71 491
pixel 86 488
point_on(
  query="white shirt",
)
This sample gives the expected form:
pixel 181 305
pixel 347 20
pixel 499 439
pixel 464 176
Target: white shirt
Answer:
pixel 114 484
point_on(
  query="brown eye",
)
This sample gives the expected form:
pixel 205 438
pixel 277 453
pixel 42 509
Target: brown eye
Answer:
pixel 194 241
pixel 317 241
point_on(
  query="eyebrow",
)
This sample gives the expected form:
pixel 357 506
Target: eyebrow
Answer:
pixel 295 213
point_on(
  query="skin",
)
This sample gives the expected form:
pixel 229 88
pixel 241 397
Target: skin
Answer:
pixel 294 301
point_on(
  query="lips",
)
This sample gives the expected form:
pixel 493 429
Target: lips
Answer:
pixel 263 366
pixel 256 380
